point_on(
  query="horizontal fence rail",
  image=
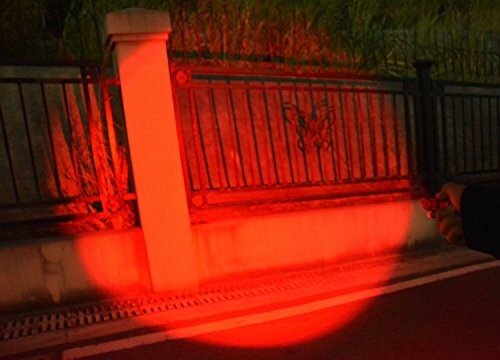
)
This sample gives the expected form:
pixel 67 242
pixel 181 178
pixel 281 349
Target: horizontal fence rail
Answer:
pixel 62 147
pixel 251 138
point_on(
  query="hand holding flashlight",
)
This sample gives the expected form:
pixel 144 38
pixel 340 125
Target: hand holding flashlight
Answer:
pixel 445 208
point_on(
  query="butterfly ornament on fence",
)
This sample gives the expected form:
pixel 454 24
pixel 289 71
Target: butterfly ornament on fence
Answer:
pixel 312 128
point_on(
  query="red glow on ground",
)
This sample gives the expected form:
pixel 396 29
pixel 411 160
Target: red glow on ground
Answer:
pixel 106 264
pixel 278 334
pixel 260 243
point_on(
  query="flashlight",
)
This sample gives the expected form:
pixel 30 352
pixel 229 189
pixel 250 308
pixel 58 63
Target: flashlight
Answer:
pixel 431 205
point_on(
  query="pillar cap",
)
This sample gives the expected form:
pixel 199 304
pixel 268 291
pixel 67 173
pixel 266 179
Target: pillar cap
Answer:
pixel 137 22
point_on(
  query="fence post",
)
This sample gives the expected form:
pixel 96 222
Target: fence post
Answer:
pixel 426 129
pixel 138 38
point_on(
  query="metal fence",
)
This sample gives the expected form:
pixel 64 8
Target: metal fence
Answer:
pixel 464 57
pixel 62 149
pixel 247 138
pixel 456 132
pixel 468 130
pixel 253 138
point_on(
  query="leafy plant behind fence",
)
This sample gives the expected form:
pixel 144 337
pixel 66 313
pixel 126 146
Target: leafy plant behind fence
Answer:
pixel 64 161
pixel 361 36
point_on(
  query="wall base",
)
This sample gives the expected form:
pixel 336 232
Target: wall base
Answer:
pixel 264 243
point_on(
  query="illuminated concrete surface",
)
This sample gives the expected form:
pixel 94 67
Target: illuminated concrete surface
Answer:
pixel 217 325
pixel 138 38
pixel 53 271
pixel 457 318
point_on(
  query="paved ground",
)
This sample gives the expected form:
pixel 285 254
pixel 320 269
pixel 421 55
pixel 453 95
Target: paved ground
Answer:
pixel 436 304
pixel 458 318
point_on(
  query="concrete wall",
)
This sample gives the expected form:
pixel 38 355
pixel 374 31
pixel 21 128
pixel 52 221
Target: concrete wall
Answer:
pixel 108 264
pixel 52 271
pixel 263 243
pixel 55 271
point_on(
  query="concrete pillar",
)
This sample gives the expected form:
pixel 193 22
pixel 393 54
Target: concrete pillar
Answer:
pixel 138 38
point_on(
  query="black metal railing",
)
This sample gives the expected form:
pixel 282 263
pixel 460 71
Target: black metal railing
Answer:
pixel 246 138
pixel 457 131
pixel 250 137
pixel 470 129
pixel 253 137
pixel 62 147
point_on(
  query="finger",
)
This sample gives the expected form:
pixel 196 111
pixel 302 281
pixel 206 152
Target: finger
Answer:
pixel 449 224
pixel 455 235
pixel 445 226
pixel 443 194
pixel 445 212
pixel 453 193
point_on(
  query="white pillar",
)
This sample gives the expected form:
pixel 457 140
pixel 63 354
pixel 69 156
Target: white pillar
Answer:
pixel 139 40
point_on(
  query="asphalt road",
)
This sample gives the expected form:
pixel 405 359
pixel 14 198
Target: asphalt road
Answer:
pixel 457 318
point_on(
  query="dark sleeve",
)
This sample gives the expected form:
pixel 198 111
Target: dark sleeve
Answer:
pixel 480 210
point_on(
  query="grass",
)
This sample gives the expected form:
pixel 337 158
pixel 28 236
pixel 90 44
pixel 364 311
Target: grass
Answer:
pixel 369 36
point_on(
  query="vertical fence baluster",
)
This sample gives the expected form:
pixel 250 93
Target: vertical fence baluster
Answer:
pixel 455 130
pixel 51 140
pixel 318 119
pixel 383 133
pixel 345 135
pixel 232 113
pixel 481 133
pixel 359 134
pixel 248 103
pixel 201 156
pixel 94 131
pixel 9 157
pixel 265 111
pixel 30 141
pixel 395 124
pixel 491 132
pixel 306 167
pixel 222 156
pixel 110 124
pixel 371 130
pixel 473 132
pixel 72 140
pixel 280 126
pixel 444 129
pixel 284 118
pixel 498 130
pixel 186 170
pixel 352 134
pixel 409 136
pixel 332 135
pixel 464 135
pixel 248 139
